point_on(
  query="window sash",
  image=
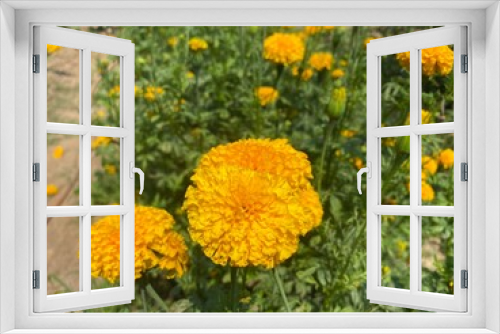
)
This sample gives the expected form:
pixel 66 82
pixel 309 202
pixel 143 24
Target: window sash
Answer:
pixel 414 298
pixel 86 43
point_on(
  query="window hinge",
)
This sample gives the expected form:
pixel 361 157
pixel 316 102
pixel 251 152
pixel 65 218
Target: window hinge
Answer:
pixel 36 279
pixel 36 172
pixel 465 64
pixel 464 172
pixel 36 63
pixel 465 279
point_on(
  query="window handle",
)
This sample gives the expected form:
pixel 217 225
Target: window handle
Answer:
pixel 368 171
pixel 133 170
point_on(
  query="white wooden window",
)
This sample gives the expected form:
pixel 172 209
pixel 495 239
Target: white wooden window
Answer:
pixel 415 211
pixel 84 44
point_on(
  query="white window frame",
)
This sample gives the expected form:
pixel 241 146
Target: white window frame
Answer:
pixel 484 212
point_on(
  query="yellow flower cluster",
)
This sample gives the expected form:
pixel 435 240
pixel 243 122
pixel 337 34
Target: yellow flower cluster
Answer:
pixel 250 202
pixel 197 44
pixel 438 60
pixel 284 49
pixel 52 48
pixel 266 95
pixel 110 169
pixel 115 91
pixel 321 61
pixel 156 245
pixel 152 93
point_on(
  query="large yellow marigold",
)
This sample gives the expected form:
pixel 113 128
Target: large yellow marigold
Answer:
pixel 276 157
pixel 266 95
pixel 251 201
pixel 438 60
pixel 321 61
pixel 284 49
pixel 156 245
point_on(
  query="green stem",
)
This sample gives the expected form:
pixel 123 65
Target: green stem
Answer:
pixel 234 289
pixel 277 278
pixel 144 302
pixel 326 143
pixel 153 294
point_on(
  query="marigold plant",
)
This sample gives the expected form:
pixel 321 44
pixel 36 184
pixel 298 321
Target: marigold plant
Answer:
pixel 438 60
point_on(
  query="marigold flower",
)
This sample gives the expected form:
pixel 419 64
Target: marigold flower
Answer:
pixel 313 30
pixel 198 44
pixel 321 61
pixel 347 133
pixel 115 91
pixel 426 117
pixel 306 74
pixel 427 192
pixel 284 49
pixel 58 152
pixel 429 164
pixel 52 189
pixel 337 73
pixel 266 95
pixel 447 158
pixel 100 141
pixel 110 169
pixel 52 48
pixel 190 74
pixel 251 201
pixel 389 142
pixel 438 60
pixel 173 41
pixel 358 163
pixel 343 62
pixel 156 245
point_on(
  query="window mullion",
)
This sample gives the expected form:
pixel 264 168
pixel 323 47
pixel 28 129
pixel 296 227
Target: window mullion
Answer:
pixel 414 169
pixel 85 167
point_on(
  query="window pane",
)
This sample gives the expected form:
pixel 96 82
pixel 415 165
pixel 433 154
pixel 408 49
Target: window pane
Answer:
pixel 437 170
pixel 63 84
pixel 105 171
pixel 437 84
pixel 395 95
pixel 437 254
pixel 63 169
pixel 63 264
pixel 395 168
pixel 105 252
pixel 395 251
pixel 105 89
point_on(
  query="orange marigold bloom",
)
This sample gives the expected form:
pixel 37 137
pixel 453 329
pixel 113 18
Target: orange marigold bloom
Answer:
pixel 429 165
pixel 447 158
pixel 321 61
pixel 198 44
pixel 427 192
pixel 251 201
pixel 337 73
pixel 284 49
pixel 266 95
pixel 52 189
pixel 156 245
pixel 58 152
